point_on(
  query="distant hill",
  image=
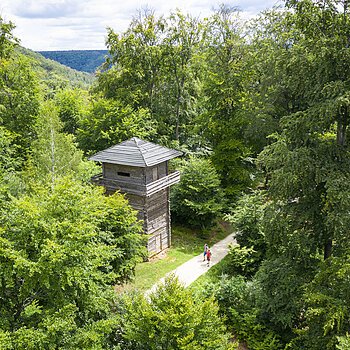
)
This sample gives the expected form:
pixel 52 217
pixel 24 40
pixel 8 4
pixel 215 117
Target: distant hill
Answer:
pixel 50 71
pixel 81 60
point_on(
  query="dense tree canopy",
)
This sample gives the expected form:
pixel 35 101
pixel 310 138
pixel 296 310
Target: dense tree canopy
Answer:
pixel 261 109
pixel 172 318
pixel 61 252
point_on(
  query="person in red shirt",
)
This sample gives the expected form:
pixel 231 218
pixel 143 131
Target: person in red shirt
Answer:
pixel 208 256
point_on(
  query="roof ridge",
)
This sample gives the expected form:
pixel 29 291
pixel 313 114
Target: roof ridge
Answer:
pixel 136 152
pixel 135 139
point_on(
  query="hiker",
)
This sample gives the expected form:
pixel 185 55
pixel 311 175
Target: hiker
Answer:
pixel 208 256
pixel 205 251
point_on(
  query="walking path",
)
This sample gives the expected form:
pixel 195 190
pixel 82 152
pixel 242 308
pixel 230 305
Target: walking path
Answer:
pixel 194 268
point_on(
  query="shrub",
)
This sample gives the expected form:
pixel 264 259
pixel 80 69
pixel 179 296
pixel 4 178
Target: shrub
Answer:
pixel 237 300
pixel 247 220
pixel 197 200
pixel 171 318
pixel 62 249
pixel 242 260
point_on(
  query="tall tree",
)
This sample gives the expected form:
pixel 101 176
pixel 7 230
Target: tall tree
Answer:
pixel 136 58
pixel 154 66
pixel 53 153
pixel 61 252
pixel 109 122
pixel 223 121
pixel 182 73
pixel 198 199
pixel 19 99
pixel 7 39
pixel 172 318
pixel 307 166
pixel 72 106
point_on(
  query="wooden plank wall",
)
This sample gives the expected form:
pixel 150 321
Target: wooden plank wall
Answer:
pixel 157 207
pixel 152 210
pixel 139 204
pixel 161 170
pixel 137 175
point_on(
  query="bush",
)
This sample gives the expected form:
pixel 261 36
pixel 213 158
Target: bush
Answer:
pixel 172 318
pixel 344 342
pixel 198 199
pixel 247 220
pixel 242 260
pixel 237 300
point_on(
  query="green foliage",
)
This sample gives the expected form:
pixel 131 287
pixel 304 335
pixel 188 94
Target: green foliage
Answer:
pixel 172 318
pixel 182 74
pixel 155 66
pixel 243 261
pixel 7 41
pixel 201 85
pixel 327 312
pixel 19 100
pixel 54 153
pixel 72 105
pixel 110 122
pixel 223 120
pixel 237 301
pixel 344 342
pixel 197 200
pixel 61 251
pixel 56 76
pixel 137 58
pixel 8 161
pixel 247 220
pixel 306 222
pixel 282 284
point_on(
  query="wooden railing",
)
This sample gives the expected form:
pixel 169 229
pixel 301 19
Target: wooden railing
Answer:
pixel 162 183
pixel 138 189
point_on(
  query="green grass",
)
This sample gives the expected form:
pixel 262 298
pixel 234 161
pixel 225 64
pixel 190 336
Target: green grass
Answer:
pixel 186 243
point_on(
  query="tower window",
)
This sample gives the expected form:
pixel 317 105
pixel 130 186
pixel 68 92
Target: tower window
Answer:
pixel 122 173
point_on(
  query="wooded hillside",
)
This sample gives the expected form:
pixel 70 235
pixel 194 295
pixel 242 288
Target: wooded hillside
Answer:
pixel 80 60
pixel 55 72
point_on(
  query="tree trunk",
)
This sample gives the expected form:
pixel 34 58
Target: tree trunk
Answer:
pixel 341 133
pixel 327 249
pixel 341 141
pixel 341 126
pixel 53 162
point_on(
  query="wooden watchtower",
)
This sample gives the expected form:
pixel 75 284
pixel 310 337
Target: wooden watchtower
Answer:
pixel 139 169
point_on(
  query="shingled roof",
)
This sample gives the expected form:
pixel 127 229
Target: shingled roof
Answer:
pixel 136 152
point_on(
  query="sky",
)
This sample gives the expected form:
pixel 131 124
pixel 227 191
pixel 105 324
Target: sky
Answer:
pixel 46 25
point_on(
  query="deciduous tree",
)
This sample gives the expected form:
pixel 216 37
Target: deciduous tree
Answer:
pixel 172 318
pixel 61 251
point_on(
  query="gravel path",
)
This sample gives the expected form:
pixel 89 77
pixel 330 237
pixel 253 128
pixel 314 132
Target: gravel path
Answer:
pixel 194 268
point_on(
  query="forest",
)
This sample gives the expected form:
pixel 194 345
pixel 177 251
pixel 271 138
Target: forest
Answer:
pixel 260 108
pixel 81 60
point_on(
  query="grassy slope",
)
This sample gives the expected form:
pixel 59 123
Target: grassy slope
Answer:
pixel 186 243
